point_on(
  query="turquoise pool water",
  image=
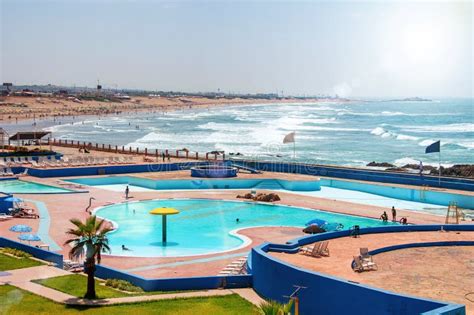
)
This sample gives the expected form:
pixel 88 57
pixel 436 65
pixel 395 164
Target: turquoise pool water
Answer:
pixel 203 226
pixel 433 202
pixel 23 187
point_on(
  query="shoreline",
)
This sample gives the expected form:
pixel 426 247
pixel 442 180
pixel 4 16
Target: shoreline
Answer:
pixel 17 109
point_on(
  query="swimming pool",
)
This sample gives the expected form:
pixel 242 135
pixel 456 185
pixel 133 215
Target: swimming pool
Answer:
pixel 16 186
pixel 433 202
pixel 203 226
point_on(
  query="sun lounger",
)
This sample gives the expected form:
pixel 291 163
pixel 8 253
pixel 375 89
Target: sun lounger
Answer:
pixel 312 251
pixel 8 171
pixel 364 253
pixel 324 250
pixel 72 266
pixel 4 217
pixel 361 265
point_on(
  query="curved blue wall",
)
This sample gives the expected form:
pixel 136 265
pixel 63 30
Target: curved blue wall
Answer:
pixel 323 294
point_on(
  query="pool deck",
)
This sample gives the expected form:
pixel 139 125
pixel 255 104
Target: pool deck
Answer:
pixel 449 277
pixel 63 207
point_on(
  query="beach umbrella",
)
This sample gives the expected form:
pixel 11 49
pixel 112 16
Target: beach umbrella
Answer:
pixel 20 228
pixel 13 199
pixel 317 222
pixel 333 226
pixel 313 229
pixel 164 212
pixel 29 237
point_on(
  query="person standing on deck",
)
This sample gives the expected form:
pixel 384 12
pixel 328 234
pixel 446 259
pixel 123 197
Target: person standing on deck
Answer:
pixel 163 156
pixel 127 190
pixel 394 214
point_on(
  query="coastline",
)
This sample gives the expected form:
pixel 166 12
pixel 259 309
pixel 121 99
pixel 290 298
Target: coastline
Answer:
pixel 22 108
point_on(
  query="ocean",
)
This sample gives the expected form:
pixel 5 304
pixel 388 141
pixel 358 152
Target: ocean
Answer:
pixel 339 133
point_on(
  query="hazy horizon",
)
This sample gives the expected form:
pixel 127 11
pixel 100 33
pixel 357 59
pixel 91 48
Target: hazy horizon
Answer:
pixel 354 49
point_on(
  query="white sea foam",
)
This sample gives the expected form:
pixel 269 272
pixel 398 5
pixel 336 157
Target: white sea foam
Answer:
pixel 388 113
pixel 378 131
pixel 426 142
pixel 461 127
pixel 409 160
pixel 406 137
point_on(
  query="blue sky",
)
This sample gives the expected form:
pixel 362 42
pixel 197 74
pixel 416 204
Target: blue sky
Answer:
pixel 350 48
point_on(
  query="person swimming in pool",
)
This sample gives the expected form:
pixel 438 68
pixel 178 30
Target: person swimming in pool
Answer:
pixel 124 248
pixel 237 220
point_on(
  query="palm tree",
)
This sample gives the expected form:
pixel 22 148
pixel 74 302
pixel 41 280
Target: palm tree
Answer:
pixel 89 237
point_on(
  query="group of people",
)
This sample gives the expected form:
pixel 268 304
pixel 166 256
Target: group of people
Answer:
pixel 167 155
pixel 384 217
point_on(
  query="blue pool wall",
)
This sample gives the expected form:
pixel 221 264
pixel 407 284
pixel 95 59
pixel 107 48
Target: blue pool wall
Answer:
pixel 359 174
pixel 432 197
pixel 275 279
pixel 5 205
pixel 203 183
pixel 418 195
pixel 39 253
pixel 214 172
pixel 173 284
pixel 109 170
pixel 307 169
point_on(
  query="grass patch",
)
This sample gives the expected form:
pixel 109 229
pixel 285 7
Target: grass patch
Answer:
pixel 76 285
pixel 17 301
pixel 123 285
pixel 16 252
pixel 10 263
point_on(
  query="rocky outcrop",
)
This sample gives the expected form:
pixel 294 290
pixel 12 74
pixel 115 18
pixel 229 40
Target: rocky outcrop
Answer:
pixel 460 170
pixel 271 197
pixel 381 164
pixel 417 167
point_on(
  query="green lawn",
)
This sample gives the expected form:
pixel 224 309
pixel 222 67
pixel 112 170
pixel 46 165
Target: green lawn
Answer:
pixel 76 285
pixel 10 263
pixel 17 301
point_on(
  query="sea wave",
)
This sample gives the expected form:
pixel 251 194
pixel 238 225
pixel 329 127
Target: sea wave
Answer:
pixel 406 137
pixel 409 160
pixel 454 128
pixel 426 142
pixel 389 113
pixel 380 131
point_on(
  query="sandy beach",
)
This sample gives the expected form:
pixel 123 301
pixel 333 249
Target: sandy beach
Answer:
pixel 18 108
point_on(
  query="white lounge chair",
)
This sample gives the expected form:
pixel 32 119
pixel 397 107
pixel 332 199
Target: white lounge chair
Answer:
pixel 8 172
pixel 4 217
pixel 324 250
pixel 361 265
pixel 311 250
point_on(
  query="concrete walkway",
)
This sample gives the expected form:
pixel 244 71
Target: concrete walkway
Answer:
pixel 21 278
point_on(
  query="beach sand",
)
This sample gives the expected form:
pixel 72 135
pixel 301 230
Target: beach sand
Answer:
pixel 17 108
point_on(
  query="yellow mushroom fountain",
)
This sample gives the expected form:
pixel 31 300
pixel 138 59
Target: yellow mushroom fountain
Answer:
pixel 164 212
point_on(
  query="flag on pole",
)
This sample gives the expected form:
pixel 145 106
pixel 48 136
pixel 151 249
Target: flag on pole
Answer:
pixel 434 147
pixel 289 138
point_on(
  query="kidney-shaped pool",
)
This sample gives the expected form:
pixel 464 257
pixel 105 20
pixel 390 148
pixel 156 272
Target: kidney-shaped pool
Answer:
pixel 203 226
